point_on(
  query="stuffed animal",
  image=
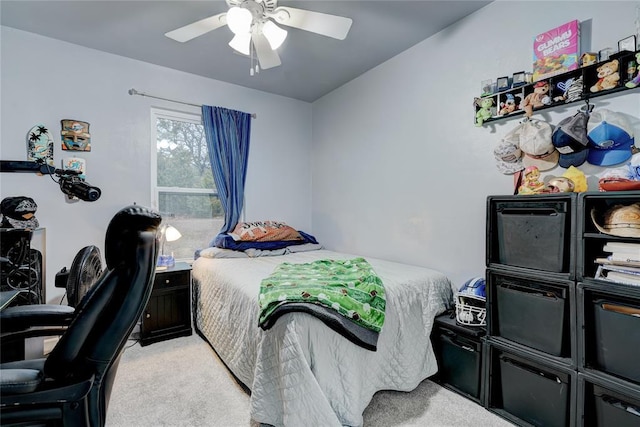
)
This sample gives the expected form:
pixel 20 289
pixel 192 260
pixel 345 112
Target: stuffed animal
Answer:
pixel 636 80
pixel 508 106
pixel 608 76
pixel 536 99
pixel 484 113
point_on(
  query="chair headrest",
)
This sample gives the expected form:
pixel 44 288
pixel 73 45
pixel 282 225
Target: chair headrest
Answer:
pixel 123 232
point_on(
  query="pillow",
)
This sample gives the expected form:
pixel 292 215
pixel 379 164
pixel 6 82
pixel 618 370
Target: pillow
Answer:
pixel 264 231
pixel 222 253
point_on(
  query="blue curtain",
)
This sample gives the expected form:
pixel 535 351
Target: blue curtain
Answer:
pixel 227 133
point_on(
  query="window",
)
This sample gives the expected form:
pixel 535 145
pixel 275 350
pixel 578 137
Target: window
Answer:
pixel 183 187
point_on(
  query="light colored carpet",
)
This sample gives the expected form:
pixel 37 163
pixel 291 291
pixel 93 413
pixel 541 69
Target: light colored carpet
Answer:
pixel 182 382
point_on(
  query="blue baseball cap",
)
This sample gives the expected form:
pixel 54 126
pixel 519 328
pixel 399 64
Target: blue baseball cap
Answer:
pixel 610 138
pixel 571 141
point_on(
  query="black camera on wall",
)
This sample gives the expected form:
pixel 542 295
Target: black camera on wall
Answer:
pixel 74 186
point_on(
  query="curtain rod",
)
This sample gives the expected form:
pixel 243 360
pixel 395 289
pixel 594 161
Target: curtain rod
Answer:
pixel 135 92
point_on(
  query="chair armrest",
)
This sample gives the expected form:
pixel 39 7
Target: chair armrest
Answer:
pixel 19 381
pixel 23 317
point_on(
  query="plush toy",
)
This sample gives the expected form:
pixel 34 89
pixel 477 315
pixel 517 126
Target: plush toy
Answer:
pixel 484 112
pixel 608 76
pixel 636 80
pixel 536 99
pixel 508 106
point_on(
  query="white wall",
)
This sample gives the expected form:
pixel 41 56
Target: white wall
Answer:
pixel 45 80
pixel 399 169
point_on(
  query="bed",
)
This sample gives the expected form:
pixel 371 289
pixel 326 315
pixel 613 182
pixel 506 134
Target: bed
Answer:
pixel 300 371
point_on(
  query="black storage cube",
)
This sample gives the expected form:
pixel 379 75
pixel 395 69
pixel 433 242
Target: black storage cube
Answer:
pixel 592 240
pixel 615 409
pixel 533 393
pixel 536 232
pixel 531 312
pixel 459 354
pixel 526 388
pixel 617 337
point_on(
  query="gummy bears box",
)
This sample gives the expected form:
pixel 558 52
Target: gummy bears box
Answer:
pixel 556 51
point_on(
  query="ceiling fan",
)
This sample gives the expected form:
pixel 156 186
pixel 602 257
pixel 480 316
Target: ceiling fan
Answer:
pixel 253 23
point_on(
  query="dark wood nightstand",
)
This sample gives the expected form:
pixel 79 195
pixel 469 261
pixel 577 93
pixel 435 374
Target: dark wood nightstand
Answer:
pixel 168 313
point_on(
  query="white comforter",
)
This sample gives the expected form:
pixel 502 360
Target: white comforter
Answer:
pixel 301 372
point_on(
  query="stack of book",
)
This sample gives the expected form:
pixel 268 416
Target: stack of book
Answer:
pixel 622 265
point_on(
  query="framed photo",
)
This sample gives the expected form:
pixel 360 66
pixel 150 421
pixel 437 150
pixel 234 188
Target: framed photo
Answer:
pixel 518 79
pixel 628 43
pixel 502 83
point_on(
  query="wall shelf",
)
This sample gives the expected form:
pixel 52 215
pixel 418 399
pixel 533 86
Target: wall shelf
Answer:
pixel 557 84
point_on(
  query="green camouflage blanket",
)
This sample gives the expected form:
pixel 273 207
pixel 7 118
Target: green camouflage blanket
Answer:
pixel 350 287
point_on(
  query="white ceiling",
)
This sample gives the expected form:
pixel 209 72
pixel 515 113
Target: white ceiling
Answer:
pixel 312 65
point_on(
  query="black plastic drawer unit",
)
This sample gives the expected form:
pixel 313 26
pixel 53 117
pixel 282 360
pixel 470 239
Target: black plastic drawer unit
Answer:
pixel 534 313
pixel 532 232
pixel 461 361
pixel 617 334
pixel 534 393
pixel 458 351
pixel 615 409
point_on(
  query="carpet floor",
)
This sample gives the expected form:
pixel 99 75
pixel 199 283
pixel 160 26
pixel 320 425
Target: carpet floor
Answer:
pixel 182 382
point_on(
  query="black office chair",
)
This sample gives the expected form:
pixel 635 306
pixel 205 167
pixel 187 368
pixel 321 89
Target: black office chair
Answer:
pixel 72 386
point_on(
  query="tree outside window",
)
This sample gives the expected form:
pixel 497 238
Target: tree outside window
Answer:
pixel 184 191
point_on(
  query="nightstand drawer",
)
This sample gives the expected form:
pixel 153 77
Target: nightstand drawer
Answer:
pixel 171 279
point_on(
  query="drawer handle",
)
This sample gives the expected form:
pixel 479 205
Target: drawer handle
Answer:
pixel 148 316
pixel 167 281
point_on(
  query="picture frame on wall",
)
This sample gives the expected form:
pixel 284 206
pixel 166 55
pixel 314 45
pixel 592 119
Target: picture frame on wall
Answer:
pixel 518 79
pixel 502 83
pixel 628 43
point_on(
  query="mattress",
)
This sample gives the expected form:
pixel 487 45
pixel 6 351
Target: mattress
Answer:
pixel 300 371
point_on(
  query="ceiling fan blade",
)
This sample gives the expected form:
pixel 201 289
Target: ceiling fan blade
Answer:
pixel 267 57
pixel 198 28
pixel 321 23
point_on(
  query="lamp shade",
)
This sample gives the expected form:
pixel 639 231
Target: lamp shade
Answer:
pixel 239 20
pixel 241 43
pixel 274 34
pixel 171 234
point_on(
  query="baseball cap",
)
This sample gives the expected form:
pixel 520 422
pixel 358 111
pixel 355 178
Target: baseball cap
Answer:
pixel 571 141
pixel 508 155
pixel 619 220
pixel 535 142
pixel 610 138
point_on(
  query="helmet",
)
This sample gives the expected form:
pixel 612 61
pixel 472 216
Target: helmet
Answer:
pixel 471 302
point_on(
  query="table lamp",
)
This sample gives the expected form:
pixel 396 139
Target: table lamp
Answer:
pixel 168 233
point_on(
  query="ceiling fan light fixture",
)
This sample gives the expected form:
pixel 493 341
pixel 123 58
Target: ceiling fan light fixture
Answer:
pixel 274 34
pixel 241 43
pixel 239 20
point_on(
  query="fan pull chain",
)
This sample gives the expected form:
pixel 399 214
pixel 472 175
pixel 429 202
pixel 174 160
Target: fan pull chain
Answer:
pixel 251 58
